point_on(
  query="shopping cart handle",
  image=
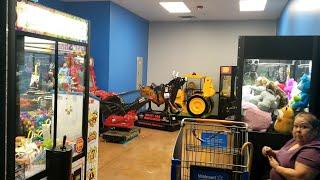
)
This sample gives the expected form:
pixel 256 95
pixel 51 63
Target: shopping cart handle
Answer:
pixel 219 121
pixel 249 147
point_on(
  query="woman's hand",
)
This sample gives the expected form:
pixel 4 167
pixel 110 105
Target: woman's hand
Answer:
pixel 267 151
pixel 273 162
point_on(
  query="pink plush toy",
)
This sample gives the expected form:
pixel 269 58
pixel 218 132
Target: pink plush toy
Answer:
pixel 256 119
pixel 289 86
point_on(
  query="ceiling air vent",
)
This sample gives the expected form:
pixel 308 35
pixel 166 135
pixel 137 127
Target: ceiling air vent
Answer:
pixel 187 17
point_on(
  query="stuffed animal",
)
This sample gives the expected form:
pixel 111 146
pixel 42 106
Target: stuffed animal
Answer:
pixel 260 86
pixel 284 121
pixel 304 87
pixel 246 93
pixel 64 77
pixel 289 86
pixel 281 85
pixel 266 101
pixel 256 119
pixel 35 77
pixel 281 95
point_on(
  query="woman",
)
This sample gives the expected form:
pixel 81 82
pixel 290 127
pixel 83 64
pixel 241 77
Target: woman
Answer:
pixel 299 158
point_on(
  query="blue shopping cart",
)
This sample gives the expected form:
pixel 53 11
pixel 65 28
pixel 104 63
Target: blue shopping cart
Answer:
pixel 212 149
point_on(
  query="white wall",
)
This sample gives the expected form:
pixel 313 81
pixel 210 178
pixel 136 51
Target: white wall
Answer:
pixel 197 46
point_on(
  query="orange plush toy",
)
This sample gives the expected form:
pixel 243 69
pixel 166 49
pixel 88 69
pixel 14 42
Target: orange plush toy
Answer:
pixel 284 122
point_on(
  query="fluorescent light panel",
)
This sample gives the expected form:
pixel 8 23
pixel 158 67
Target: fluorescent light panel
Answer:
pixel 175 7
pixel 252 5
pixel 306 6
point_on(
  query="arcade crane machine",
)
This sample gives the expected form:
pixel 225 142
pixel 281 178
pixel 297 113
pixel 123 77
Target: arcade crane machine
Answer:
pixel 280 60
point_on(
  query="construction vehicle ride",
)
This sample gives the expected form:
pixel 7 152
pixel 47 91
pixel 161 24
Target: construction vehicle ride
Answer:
pixel 195 99
pixel 164 94
pixel 114 113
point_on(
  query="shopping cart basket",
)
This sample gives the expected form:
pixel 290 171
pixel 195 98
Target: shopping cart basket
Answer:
pixel 212 149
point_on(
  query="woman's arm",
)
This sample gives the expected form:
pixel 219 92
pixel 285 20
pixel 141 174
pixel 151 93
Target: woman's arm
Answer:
pixel 299 172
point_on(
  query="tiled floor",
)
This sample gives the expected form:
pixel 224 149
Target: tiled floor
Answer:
pixel 145 157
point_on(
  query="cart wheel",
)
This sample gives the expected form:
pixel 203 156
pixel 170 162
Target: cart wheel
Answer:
pixel 197 106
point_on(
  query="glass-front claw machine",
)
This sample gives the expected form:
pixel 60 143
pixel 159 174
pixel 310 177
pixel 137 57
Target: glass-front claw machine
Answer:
pixel 277 78
pixel 47 88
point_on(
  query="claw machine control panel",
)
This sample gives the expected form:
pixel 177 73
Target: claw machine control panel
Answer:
pixel 227 92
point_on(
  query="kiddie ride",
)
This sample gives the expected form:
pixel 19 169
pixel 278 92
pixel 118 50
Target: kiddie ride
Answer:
pixel 114 113
pixel 194 100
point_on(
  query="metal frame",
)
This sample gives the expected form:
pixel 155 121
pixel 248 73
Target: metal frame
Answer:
pixel 12 98
pixel 3 64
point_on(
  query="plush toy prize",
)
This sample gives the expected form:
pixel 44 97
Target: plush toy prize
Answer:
pixel 289 86
pixel 302 101
pixel 256 119
pixel 284 122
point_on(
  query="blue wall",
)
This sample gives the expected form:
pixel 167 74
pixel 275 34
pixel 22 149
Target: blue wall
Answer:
pixel 98 14
pixel 297 21
pixel 128 39
pixel 56 4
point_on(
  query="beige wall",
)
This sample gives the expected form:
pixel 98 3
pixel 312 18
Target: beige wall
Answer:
pixel 197 46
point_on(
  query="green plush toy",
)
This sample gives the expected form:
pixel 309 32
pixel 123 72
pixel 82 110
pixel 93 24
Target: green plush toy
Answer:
pixel 47 143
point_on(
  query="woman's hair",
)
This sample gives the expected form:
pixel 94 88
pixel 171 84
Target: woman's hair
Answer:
pixel 312 119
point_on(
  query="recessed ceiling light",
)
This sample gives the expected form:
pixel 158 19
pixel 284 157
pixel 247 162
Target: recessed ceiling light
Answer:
pixel 310 5
pixel 175 7
pixel 252 5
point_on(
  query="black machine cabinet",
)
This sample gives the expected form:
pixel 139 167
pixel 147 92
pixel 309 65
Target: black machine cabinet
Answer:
pixel 276 59
pixel 260 168
pixel 227 92
pixel 3 55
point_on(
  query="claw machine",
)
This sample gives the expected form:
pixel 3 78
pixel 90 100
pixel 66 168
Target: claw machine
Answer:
pixel 47 88
pixel 277 78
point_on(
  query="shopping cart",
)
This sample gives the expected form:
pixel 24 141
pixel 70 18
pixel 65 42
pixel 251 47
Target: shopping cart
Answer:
pixel 212 149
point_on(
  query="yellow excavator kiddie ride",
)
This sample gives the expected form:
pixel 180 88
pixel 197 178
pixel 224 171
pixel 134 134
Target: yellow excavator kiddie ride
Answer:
pixel 195 99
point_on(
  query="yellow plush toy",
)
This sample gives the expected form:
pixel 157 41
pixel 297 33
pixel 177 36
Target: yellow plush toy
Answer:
pixel 284 122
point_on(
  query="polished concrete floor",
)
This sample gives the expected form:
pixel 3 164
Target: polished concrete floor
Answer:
pixel 145 157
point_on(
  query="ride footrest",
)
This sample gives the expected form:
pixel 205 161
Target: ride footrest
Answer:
pixel 158 120
pixel 121 135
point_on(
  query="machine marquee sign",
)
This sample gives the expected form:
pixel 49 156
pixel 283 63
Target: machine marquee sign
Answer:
pixel 34 18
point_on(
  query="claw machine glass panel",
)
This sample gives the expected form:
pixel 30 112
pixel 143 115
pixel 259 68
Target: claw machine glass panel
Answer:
pixel 287 82
pixel 71 95
pixel 35 86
